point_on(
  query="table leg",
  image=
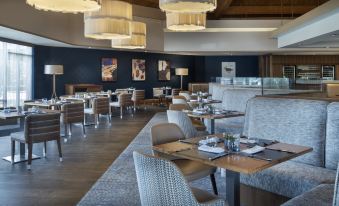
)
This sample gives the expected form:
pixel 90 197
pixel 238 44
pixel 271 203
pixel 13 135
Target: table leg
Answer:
pixel 212 126
pixel 233 188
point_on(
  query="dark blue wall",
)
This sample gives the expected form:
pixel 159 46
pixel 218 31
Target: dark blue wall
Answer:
pixel 246 66
pixel 84 66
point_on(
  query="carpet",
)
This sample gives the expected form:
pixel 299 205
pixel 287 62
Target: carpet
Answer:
pixel 118 185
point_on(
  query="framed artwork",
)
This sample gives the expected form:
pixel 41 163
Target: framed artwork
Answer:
pixel 109 69
pixel 228 69
pixel 164 70
pixel 138 69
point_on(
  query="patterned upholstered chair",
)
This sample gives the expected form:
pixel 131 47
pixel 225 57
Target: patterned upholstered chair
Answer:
pixel 99 106
pixel 124 101
pixel 184 122
pixel 138 98
pixel 72 113
pixel 38 128
pixel 192 170
pixel 179 100
pixel 199 125
pixel 160 182
pixel 324 194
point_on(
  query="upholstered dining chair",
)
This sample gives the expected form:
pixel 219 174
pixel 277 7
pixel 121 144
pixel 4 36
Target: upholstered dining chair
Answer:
pixel 179 100
pixel 138 98
pixel 192 170
pixel 100 106
pixel 186 95
pixel 175 92
pixel 72 113
pixel 184 122
pixel 38 128
pixel 160 182
pixel 197 123
pixel 124 101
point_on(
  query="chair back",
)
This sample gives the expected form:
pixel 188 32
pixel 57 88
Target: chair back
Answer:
pixel 179 100
pixel 175 92
pixel 72 113
pixel 125 99
pixel 121 91
pixel 183 121
pixel 186 95
pixel 138 95
pixel 166 132
pixel 160 182
pixel 42 127
pixel 101 105
pixel 158 92
pixel 179 107
pixel 336 190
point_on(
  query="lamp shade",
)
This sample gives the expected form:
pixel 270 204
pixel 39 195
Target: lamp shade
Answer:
pixel 137 41
pixel 65 6
pixel 112 21
pixel 181 71
pixel 186 21
pixel 54 69
pixel 187 6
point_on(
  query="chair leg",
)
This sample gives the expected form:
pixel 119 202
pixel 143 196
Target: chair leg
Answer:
pixel 83 130
pixel 214 184
pixel 45 148
pixel 70 129
pixel 66 130
pixel 13 151
pixel 30 148
pixel 121 111
pixel 96 120
pixel 59 149
pixel 135 106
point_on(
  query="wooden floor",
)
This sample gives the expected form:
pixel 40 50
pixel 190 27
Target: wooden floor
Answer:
pixel 85 160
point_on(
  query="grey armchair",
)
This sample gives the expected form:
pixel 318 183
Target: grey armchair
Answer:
pixel 72 113
pixel 160 182
pixel 99 106
pixel 192 170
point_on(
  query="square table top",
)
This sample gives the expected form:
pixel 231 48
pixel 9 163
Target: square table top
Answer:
pixel 235 162
pixel 16 115
pixel 227 114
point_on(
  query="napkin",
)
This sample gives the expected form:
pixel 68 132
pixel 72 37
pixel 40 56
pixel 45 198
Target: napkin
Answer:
pixel 209 140
pixel 206 148
pixel 253 150
pixel 247 141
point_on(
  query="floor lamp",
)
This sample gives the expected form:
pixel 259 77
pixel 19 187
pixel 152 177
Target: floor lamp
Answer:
pixel 181 72
pixel 54 70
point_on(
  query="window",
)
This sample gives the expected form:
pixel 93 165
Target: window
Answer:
pixel 15 74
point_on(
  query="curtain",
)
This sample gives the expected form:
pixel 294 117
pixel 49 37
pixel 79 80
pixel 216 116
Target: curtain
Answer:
pixel 15 74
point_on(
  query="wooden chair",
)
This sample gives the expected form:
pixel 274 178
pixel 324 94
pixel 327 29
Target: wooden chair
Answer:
pixel 138 97
pixel 175 92
pixel 124 101
pixel 99 106
pixel 72 113
pixel 38 128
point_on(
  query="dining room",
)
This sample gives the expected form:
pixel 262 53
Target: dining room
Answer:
pixel 169 102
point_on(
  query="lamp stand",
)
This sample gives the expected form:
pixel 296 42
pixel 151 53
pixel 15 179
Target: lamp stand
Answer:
pixel 54 95
pixel 181 82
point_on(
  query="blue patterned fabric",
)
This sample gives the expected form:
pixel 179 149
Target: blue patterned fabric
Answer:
pixel 332 136
pixel 290 179
pixel 294 121
pixel 321 195
pixel 232 125
pixel 336 190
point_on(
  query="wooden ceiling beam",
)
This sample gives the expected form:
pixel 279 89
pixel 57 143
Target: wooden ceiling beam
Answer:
pixel 266 10
pixel 221 6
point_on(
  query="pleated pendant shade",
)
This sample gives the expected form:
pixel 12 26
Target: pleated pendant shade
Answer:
pixel 66 6
pixel 112 21
pixel 137 40
pixel 186 21
pixel 187 6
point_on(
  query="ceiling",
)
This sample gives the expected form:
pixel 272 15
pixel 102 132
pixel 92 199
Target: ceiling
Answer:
pixel 252 8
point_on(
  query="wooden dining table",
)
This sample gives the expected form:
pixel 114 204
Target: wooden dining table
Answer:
pixel 211 117
pixel 235 163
